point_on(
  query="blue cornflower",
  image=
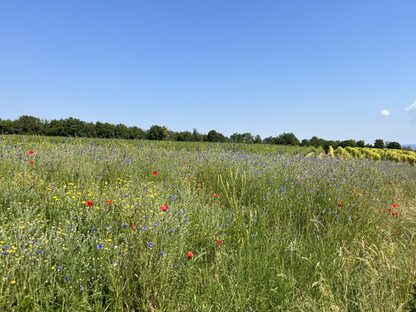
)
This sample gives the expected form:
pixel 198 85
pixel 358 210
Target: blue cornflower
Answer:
pixel 150 244
pixel 100 246
pixel 162 253
pixel 282 189
pixel 66 278
pixel 124 226
pixel 172 197
pixel 39 251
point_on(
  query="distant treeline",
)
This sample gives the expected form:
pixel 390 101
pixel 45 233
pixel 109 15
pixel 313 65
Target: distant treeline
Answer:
pixel 72 127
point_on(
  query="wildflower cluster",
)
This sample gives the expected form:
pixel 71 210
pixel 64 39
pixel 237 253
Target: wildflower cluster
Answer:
pixel 97 225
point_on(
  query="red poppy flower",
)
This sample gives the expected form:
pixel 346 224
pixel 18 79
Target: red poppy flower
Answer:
pixel 219 242
pixel 31 152
pixel 89 203
pixel 394 205
pixel 109 201
pixel 189 255
pixel 164 207
pixel 394 213
pixel 215 195
pixel 155 173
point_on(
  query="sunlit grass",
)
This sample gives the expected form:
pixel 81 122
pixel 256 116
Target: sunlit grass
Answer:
pixel 87 225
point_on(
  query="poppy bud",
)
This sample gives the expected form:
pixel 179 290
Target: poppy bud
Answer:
pixel 189 255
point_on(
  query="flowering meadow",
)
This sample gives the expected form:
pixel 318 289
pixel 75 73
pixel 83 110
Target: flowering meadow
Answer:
pixel 113 225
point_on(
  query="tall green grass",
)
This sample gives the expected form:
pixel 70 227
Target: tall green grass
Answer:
pixel 285 232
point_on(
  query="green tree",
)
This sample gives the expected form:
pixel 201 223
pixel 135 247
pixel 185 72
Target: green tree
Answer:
pixel 104 130
pixel 121 131
pixel 379 143
pixel 157 133
pixel 7 127
pixel 28 125
pixel 305 142
pixel 196 136
pixel 135 133
pixel 184 136
pixel 214 136
pixel 394 145
pixel 361 143
pixel 242 138
pixel 269 140
pixel 287 139
pixel 257 139
pixel 346 143
pixel 316 142
pixel 71 127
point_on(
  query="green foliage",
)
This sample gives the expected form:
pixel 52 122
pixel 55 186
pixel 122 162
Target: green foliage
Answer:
pixel 411 305
pixel 379 143
pixel 346 143
pixel 135 133
pixel 393 145
pixel 121 132
pixel 242 138
pixel 7 127
pixel 287 139
pixel 214 136
pixel 105 130
pixel 294 233
pixel 360 143
pixel 315 141
pixel 28 125
pixel 72 127
pixel 157 133
pixel 184 136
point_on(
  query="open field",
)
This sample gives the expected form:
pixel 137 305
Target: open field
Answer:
pixel 112 225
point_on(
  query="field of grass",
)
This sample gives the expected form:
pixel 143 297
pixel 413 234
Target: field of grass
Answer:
pixel 111 225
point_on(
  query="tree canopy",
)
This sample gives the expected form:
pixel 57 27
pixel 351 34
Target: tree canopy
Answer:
pixel 72 127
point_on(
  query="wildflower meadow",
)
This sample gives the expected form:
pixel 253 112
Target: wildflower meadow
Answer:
pixel 114 225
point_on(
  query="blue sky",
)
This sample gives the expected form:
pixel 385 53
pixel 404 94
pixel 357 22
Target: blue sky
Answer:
pixel 335 69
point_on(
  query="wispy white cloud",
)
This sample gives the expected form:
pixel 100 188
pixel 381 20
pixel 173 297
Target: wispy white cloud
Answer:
pixel 385 112
pixel 411 107
pixel 412 111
